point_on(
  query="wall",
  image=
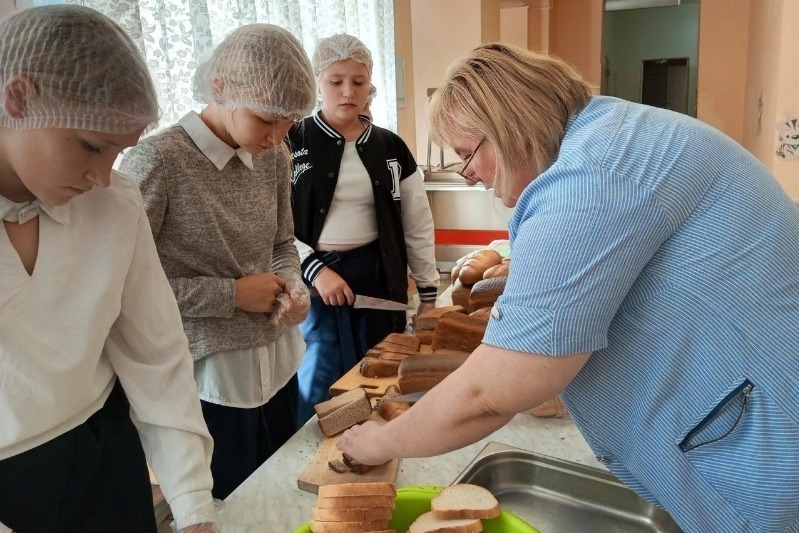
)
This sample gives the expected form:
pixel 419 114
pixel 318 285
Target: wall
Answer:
pixel 787 101
pixel 575 35
pixel 721 80
pixel 442 31
pixel 513 26
pixel 6 7
pixel 403 44
pixel 632 36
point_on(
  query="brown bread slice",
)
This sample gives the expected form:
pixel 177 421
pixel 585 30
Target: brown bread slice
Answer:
pixel 343 411
pixel 409 341
pixel 396 356
pixel 384 346
pixel 375 367
pixel 428 320
pixel 391 410
pixel 425 336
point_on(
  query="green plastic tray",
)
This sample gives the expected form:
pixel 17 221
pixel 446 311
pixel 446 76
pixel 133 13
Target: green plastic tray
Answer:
pixel 414 501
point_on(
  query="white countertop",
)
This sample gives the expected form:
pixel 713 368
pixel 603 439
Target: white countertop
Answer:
pixel 270 502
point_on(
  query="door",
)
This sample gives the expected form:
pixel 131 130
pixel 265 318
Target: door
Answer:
pixel 665 84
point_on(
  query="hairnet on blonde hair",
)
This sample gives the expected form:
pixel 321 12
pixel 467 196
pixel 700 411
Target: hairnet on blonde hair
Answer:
pixel 260 67
pixel 338 48
pixel 519 100
pixel 86 71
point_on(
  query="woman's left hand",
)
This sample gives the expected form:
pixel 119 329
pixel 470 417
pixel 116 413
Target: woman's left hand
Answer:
pixel 292 305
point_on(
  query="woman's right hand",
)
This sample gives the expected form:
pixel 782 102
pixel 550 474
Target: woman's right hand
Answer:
pixel 333 289
pixel 257 293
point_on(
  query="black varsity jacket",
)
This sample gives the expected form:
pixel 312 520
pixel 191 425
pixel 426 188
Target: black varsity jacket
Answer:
pixel 317 149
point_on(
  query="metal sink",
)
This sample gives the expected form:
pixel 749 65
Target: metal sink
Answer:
pixel 557 496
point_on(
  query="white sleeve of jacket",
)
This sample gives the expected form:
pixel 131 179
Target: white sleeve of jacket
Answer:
pixel 417 221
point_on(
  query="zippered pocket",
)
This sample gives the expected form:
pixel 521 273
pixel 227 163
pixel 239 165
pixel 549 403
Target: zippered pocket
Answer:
pixel 721 421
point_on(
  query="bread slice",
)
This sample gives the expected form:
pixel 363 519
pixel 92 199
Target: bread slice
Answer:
pixel 409 341
pixel 351 515
pixel 428 320
pixel 377 367
pixel 465 500
pixel 355 502
pixel 456 331
pixel 343 411
pixel 427 523
pixel 365 488
pixel 425 371
pixel 347 527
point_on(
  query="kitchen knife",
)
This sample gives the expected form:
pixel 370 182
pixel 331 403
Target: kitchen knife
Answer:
pixel 371 302
pixel 411 397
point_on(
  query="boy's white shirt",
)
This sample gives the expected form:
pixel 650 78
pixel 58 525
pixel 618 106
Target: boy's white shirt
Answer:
pixel 97 306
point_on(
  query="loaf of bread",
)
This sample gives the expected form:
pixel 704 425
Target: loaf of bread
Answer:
pixel 552 408
pixel 460 294
pixel 377 367
pixel 485 292
pixel 391 410
pixel 425 336
pixel 502 269
pixel 425 371
pixel 343 411
pixel 472 270
pixel 456 331
pixel 428 320
pixel 482 314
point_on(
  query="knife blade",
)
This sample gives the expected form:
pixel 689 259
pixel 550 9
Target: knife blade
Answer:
pixel 411 397
pixel 370 302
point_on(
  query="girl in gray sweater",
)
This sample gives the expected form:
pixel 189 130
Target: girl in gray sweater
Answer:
pixel 216 187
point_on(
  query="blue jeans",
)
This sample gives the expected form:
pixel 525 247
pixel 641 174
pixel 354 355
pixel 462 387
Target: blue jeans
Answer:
pixel 337 337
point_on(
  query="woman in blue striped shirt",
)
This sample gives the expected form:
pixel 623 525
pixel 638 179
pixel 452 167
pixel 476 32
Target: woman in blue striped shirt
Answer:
pixel 654 284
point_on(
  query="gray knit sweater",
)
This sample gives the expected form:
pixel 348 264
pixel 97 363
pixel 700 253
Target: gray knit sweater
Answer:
pixel 212 227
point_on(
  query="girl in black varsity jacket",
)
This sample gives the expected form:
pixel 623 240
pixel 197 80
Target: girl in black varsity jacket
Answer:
pixel 361 221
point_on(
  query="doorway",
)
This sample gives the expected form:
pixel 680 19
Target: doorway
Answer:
pixel 665 84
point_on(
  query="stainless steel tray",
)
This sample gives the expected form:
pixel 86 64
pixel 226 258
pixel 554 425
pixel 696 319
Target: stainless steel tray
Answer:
pixel 557 496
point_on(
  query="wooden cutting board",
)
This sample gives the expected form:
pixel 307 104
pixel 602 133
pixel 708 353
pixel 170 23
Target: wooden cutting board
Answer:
pixel 375 387
pixel 318 472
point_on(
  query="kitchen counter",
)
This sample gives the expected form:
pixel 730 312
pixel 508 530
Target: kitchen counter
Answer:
pixel 269 500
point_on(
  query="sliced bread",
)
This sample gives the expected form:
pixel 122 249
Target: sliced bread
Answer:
pixel 351 515
pixel 427 523
pixel 343 411
pixel 355 502
pixel 348 527
pixel 409 341
pixel 465 500
pixel 365 488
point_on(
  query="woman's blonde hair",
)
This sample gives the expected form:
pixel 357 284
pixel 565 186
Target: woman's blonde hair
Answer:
pixel 517 99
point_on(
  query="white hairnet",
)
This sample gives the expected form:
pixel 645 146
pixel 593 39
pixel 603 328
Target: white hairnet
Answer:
pixel 260 67
pixel 338 48
pixel 87 73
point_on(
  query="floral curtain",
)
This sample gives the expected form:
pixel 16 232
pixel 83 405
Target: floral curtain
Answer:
pixel 174 35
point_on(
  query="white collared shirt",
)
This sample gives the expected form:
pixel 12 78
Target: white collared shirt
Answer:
pixel 98 306
pixel 215 149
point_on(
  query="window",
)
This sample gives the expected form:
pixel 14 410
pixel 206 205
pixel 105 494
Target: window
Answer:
pixel 174 35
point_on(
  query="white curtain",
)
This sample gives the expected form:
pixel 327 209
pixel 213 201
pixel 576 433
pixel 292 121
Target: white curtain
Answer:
pixel 175 34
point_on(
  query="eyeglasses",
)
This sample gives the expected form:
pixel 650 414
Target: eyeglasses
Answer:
pixel 462 171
